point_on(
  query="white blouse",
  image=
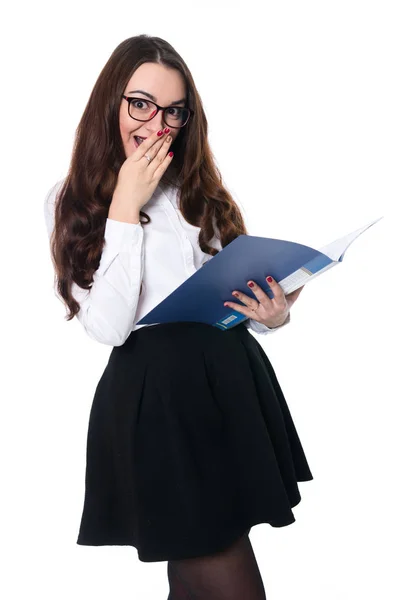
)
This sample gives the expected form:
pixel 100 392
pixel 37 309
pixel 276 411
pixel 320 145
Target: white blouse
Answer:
pixel 160 255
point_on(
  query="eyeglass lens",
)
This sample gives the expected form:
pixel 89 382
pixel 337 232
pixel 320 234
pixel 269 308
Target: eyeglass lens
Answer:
pixel 175 116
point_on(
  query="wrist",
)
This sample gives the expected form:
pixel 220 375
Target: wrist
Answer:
pixel 120 211
pixel 276 326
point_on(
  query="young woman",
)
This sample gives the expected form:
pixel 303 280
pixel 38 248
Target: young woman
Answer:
pixel 190 440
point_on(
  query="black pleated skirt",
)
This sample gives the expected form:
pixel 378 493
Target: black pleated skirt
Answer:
pixel 190 443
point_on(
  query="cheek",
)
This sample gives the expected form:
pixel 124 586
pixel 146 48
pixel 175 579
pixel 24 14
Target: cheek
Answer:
pixel 125 124
pixel 124 130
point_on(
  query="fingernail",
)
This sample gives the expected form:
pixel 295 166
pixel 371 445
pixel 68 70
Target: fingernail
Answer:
pixel 269 279
pixel 167 130
pixel 251 284
pixel 159 132
pixel 235 294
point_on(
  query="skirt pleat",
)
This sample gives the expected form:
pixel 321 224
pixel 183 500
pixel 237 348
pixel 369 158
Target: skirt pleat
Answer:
pixel 190 443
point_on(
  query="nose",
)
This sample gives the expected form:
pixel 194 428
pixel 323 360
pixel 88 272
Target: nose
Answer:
pixel 156 123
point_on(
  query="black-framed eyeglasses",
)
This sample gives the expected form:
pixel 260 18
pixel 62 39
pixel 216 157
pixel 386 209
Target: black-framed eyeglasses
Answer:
pixel 145 110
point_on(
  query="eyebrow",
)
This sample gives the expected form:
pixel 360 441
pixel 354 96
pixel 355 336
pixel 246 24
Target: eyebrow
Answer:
pixel 154 98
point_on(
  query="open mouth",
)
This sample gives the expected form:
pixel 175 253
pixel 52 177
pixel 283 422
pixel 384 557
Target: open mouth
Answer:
pixel 138 140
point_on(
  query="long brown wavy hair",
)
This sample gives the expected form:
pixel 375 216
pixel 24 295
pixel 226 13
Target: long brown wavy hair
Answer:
pixel 84 199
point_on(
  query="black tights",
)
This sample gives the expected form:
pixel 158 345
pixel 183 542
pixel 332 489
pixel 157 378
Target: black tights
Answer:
pixel 229 575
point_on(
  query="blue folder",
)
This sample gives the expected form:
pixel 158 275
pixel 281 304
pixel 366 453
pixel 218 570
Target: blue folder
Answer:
pixel 201 297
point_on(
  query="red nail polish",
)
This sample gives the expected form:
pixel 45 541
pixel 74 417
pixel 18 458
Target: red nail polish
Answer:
pixel 251 284
pixel 159 132
pixel 167 130
pixel 269 279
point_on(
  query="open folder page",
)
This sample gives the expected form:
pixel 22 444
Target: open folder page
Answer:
pixel 201 297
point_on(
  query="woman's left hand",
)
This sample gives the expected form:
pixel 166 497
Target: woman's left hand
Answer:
pixel 270 312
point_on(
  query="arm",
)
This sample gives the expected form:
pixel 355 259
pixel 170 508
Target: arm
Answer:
pixel 107 310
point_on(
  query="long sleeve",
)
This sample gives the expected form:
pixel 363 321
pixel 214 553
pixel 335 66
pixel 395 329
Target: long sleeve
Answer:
pixel 263 329
pixel 107 310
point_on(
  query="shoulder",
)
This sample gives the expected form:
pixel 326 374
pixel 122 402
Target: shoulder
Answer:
pixel 49 204
pixel 52 193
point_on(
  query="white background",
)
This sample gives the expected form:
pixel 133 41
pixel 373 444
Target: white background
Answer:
pixel 318 159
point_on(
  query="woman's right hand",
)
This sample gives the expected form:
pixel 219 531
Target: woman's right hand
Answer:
pixel 137 177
